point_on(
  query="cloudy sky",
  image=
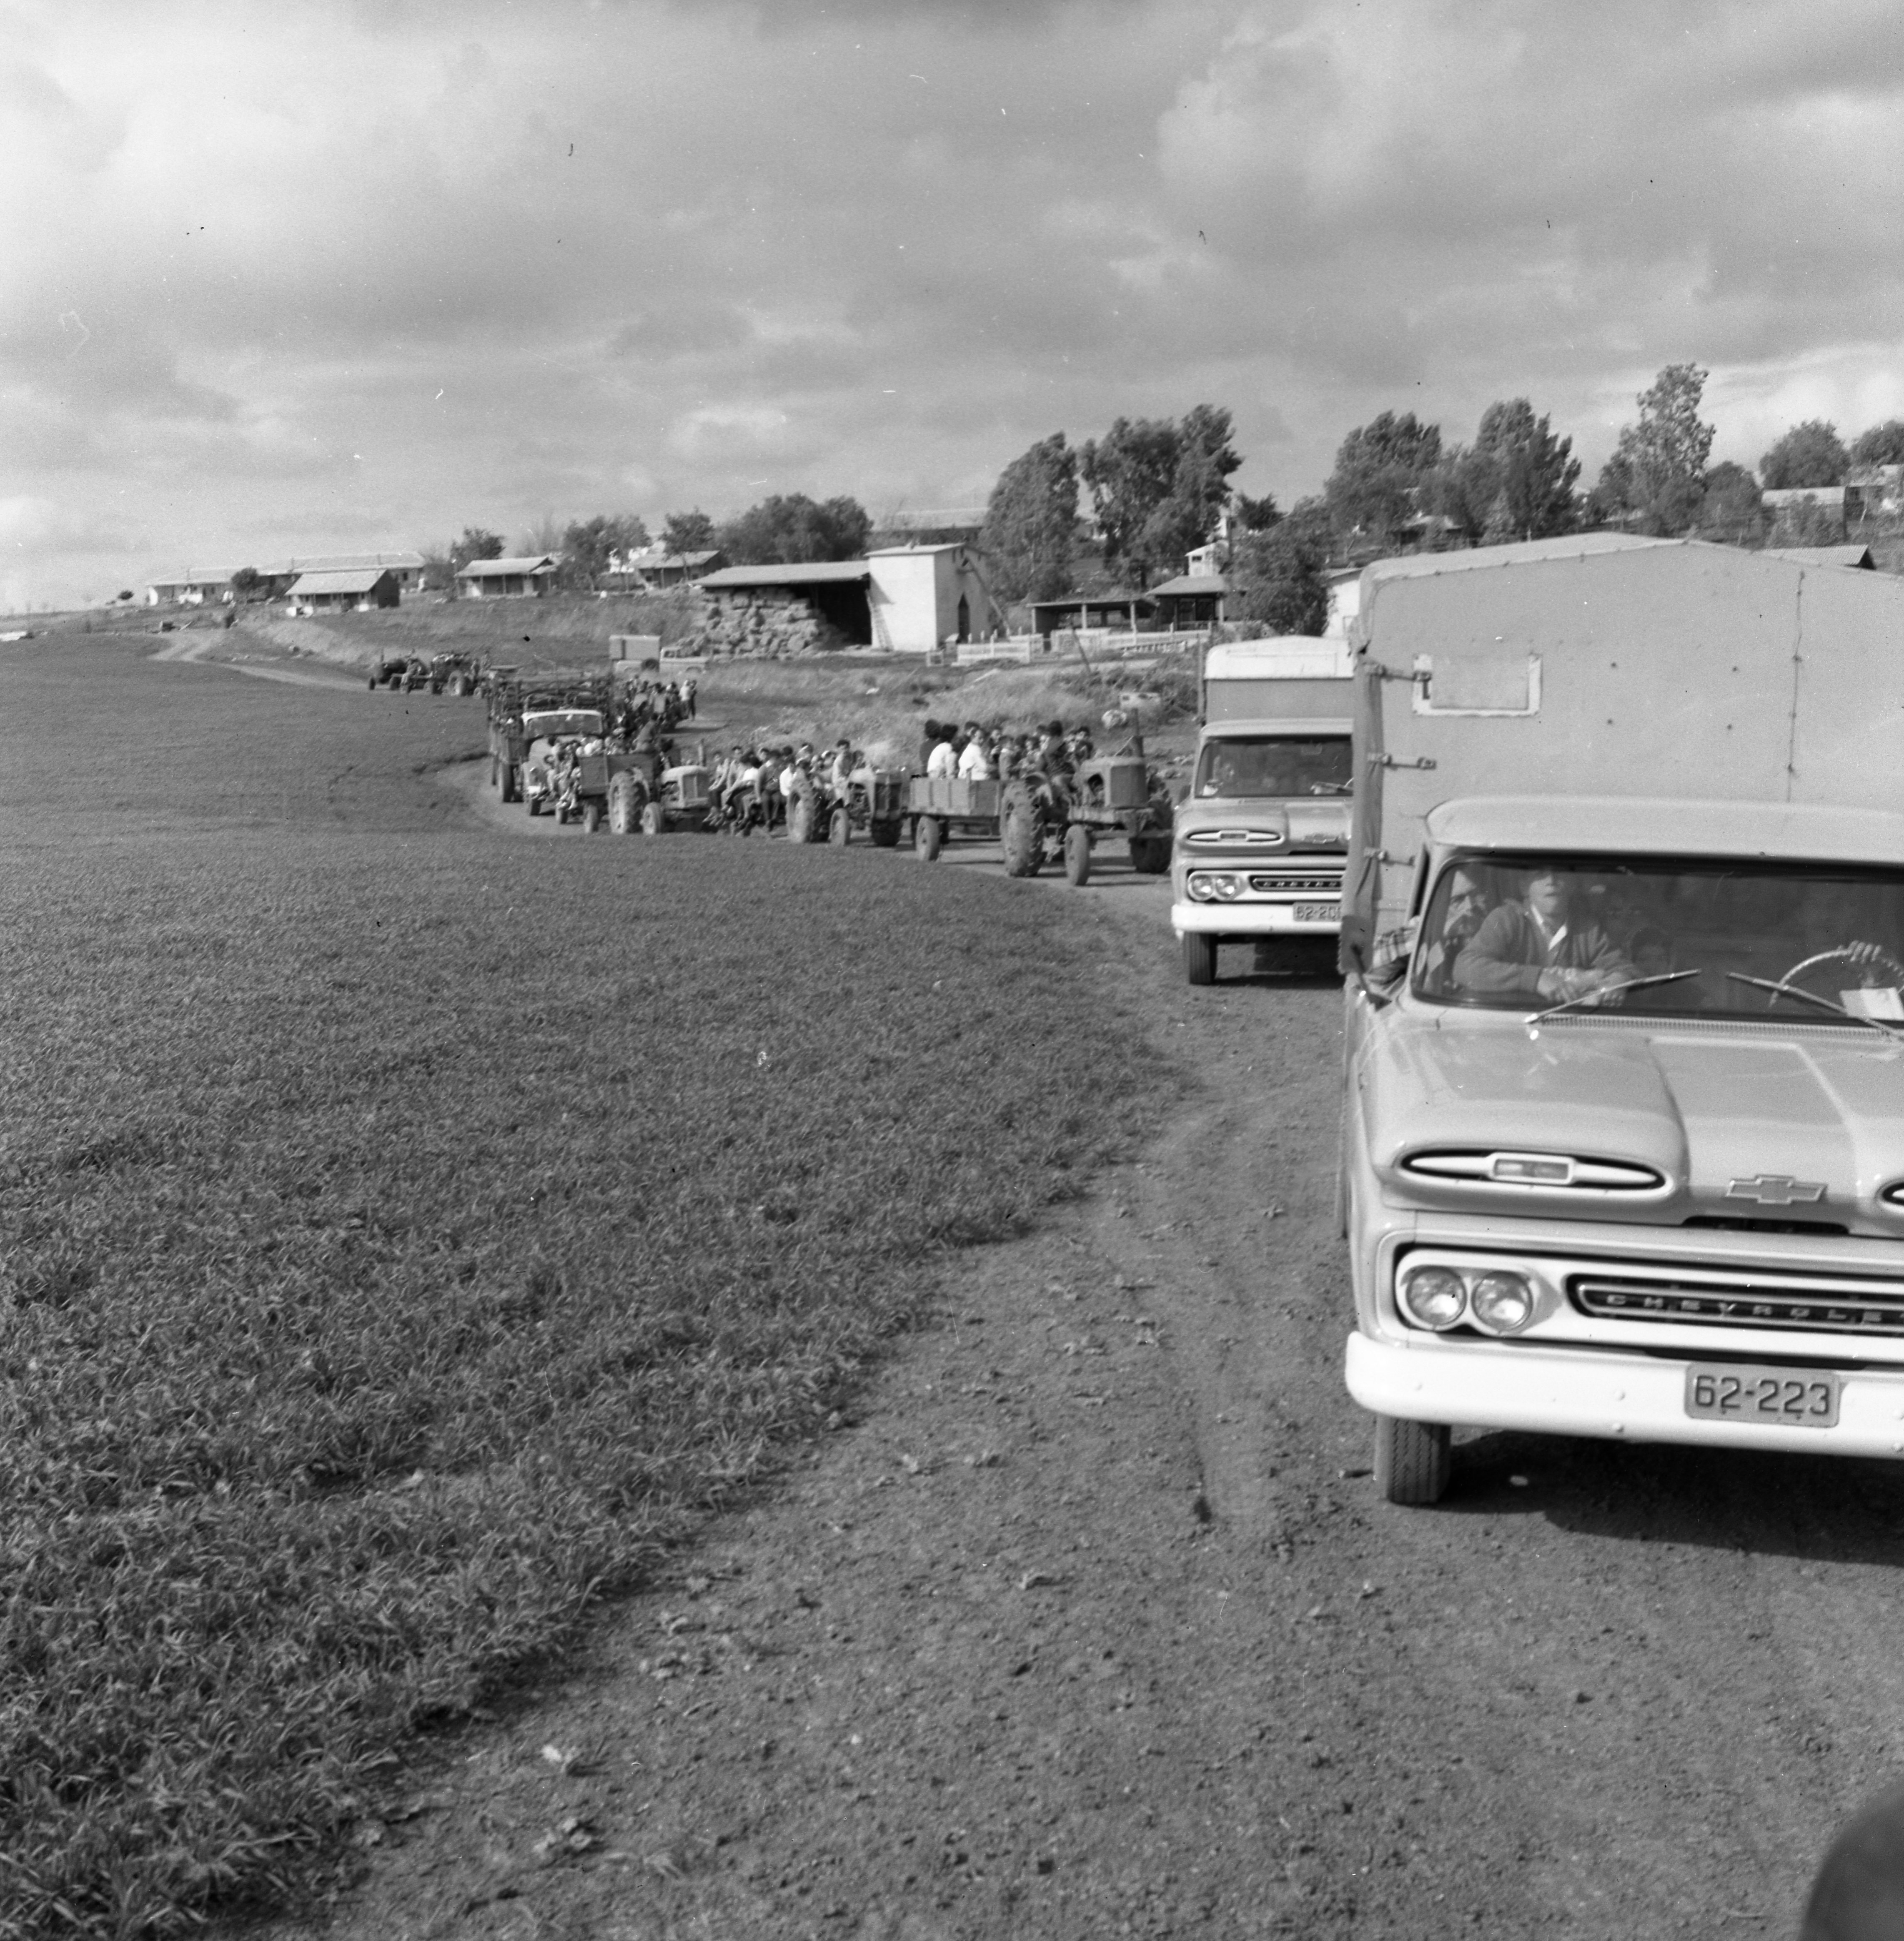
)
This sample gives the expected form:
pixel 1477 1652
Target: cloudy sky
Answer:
pixel 326 276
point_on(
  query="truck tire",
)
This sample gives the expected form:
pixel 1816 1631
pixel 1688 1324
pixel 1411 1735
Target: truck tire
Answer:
pixel 839 831
pixel 1078 855
pixel 591 817
pixel 1021 832
pixel 1412 1460
pixel 624 803
pixel 928 839
pixel 654 818
pixel 1149 855
pixel 1199 957
pixel 886 833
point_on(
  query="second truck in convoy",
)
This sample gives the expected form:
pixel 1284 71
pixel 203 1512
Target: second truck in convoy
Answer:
pixel 1262 838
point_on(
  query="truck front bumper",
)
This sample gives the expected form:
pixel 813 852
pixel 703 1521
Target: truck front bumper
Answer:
pixel 1251 919
pixel 1627 1398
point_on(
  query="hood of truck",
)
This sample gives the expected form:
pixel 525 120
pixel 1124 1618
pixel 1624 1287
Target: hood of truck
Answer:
pixel 1261 826
pixel 1741 1126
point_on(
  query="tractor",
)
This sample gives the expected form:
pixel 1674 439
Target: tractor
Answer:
pixel 1057 818
pixel 457 672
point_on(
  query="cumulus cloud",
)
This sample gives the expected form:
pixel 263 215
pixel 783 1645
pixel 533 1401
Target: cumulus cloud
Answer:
pixel 329 269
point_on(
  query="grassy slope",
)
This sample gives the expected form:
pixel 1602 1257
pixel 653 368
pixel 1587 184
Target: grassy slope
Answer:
pixel 404 1229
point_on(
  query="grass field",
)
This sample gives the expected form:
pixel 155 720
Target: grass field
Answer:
pixel 406 1230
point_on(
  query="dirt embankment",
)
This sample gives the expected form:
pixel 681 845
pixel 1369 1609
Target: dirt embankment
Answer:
pixel 1089 1622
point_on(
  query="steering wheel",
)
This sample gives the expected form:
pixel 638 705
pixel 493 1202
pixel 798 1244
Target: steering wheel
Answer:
pixel 1849 953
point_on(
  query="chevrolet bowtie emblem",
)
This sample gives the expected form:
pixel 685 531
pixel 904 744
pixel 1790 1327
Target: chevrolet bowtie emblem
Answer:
pixel 1777 1189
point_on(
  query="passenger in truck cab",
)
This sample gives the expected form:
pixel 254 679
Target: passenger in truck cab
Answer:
pixel 1541 946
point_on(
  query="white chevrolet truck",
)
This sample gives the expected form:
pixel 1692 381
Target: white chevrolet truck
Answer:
pixel 1623 1134
pixel 1262 838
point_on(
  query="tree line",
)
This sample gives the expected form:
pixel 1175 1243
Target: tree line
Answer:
pixel 1159 488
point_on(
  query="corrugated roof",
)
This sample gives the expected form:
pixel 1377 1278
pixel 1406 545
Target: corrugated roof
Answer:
pixel 805 573
pixel 1188 583
pixel 1095 600
pixel 208 576
pixel 1859 556
pixel 359 579
pixel 493 569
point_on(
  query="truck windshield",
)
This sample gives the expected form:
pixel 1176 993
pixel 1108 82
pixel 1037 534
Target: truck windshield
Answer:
pixel 1522 933
pixel 1273 765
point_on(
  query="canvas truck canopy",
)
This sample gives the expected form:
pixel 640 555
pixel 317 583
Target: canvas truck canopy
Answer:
pixel 1627 669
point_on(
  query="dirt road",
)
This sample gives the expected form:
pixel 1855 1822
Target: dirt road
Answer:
pixel 1088 1623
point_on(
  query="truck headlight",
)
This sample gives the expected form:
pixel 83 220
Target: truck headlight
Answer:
pixel 1199 889
pixel 1436 1296
pixel 1227 888
pixel 1501 1303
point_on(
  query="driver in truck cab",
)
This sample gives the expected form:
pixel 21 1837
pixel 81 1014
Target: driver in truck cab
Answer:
pixel 1542 945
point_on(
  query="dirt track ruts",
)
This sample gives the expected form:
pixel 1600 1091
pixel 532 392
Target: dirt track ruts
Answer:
pixel 1088 1623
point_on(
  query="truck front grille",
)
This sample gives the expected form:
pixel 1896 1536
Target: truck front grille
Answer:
pixel 1811 1304
pixel 1327 884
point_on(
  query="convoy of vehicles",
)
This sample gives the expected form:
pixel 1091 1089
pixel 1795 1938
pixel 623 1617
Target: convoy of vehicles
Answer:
pixel 1623 1137
pixel 1263 836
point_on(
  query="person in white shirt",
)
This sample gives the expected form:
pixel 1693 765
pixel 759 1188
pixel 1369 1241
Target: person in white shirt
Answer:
pixel 842 774
pixel 944 758
pixel 974 764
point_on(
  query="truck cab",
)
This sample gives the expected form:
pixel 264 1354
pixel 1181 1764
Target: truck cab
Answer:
pixel 1261 838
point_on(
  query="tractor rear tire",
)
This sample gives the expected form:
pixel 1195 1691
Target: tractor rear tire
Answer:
pixel 654 818
pixel 1021 832
pixel 591 817
pixel 624 803
pixel 839 831
pixel 1199 957
pixel 1412 1460
pixel 1149 855
pixel 1078 855
pixel 928 837
pixel 886 833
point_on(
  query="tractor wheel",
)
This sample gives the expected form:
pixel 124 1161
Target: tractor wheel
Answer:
pixel 1149 855
pixel 1412 1460
pixel 654 818
pixel 624 803
pixel 1078 855
pixel 591 817
pixel 839 831
pixel 928 837
pixel 463 686
pixel 1021 832
pixel 373 683
pixel 886 833
pixel 436 688
pixel 1199 957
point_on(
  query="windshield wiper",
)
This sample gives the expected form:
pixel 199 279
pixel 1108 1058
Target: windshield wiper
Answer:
pixel 1831 1004
pixel 1606 990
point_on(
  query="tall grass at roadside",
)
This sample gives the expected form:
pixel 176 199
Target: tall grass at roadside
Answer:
pixel 407 1232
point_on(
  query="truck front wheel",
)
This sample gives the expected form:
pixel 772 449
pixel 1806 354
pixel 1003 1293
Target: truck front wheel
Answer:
pixel 1412 1460
pixel 1199 957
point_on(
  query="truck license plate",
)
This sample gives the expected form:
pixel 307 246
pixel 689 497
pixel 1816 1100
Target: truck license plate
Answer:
pixel 1318 912
pixel 1729 1391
